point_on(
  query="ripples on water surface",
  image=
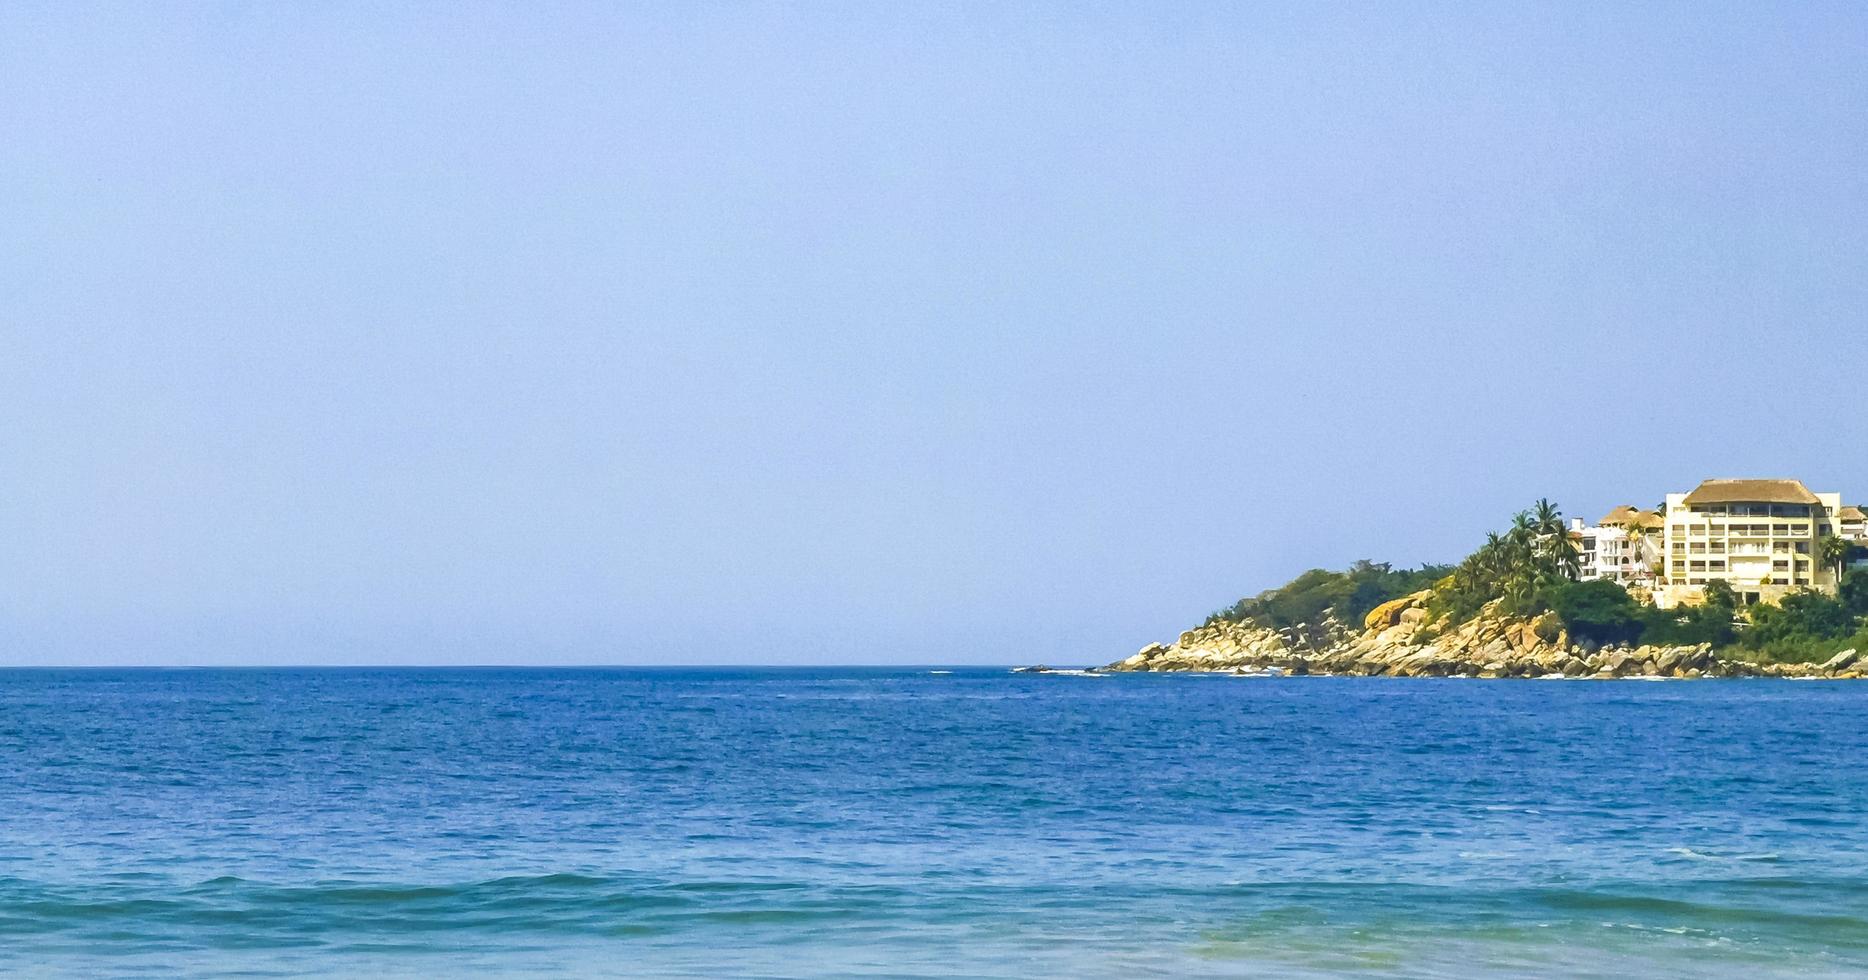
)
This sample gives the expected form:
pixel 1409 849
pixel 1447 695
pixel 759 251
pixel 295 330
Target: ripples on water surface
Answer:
pixel 855 822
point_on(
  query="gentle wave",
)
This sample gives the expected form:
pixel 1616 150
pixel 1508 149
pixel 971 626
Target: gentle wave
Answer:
pixel 568 901
pixel 860 823
pixel 248 913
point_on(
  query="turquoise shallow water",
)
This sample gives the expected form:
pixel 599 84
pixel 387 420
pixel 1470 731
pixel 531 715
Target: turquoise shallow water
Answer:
pixel 901 822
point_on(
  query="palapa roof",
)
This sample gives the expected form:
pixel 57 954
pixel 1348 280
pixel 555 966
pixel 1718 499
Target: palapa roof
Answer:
pixel 1618 517
pixel 1626 516
pixel 1850 512
pixel 1751 492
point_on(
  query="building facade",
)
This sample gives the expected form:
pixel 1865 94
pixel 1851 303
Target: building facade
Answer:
pixel 1758 536
pixel 1624 546
pixel 1852 524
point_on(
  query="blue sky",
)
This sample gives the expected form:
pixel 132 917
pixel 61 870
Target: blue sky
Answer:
pixel 397 333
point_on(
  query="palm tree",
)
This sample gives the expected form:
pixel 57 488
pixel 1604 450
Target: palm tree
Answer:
pixel 1636 538
pixel 1833 552
pixel 1560 552
pixel 1546 517
pixel 1569 561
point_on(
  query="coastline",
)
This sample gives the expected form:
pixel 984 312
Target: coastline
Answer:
pixel 1398 640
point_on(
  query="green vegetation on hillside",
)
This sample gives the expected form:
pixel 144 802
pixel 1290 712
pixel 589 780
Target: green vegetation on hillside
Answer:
pixel 1531 568
pixel 1809 626
pixel 1603 613
pixel 1348 594
pixel 1524 568
pixel 1806 626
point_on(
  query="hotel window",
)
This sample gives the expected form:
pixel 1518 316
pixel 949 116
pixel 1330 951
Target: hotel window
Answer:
pixel 1781 528
pixel 1679 566
pixel 1803 547
pixel 1800 529
pixel 1715 566
pixel 1780 566
pixel 1699 566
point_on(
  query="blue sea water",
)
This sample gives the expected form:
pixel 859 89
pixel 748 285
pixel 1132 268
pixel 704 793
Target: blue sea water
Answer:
pixel 909 823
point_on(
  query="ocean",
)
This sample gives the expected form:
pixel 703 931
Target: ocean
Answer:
pixel 909 822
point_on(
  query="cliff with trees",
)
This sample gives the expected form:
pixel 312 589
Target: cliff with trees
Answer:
pixel 1514 608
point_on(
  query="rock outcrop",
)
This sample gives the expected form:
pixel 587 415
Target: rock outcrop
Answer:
pixel 1400 639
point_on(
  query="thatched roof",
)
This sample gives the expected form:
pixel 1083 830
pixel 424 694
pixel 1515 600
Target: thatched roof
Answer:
pixel 1751 492
pixel 1619 517
pixel 1850 512
pixel 1631 517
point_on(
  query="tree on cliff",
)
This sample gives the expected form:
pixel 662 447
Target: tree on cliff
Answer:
pixel 1833 552
pixel 1348 595
pixel 1522 567
pixel 1854 592
pixel 1555 538
pixel 1602 612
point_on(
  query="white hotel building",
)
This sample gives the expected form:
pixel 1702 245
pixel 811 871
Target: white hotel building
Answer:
pixel 1759 536
pixel 1624 546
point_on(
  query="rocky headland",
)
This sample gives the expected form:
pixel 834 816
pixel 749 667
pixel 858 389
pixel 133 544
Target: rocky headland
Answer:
pixel 1400 638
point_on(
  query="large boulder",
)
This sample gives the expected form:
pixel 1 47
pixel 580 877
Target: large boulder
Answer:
pixel 1425 663
pixel 1389 613
pixel 1548 627
pixel 1841 661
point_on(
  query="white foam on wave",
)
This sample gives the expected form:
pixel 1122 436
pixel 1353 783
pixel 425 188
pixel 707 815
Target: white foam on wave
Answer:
pixel 1689 853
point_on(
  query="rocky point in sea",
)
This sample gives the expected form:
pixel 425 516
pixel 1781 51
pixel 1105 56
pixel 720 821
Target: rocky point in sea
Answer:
pixel 1400 638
